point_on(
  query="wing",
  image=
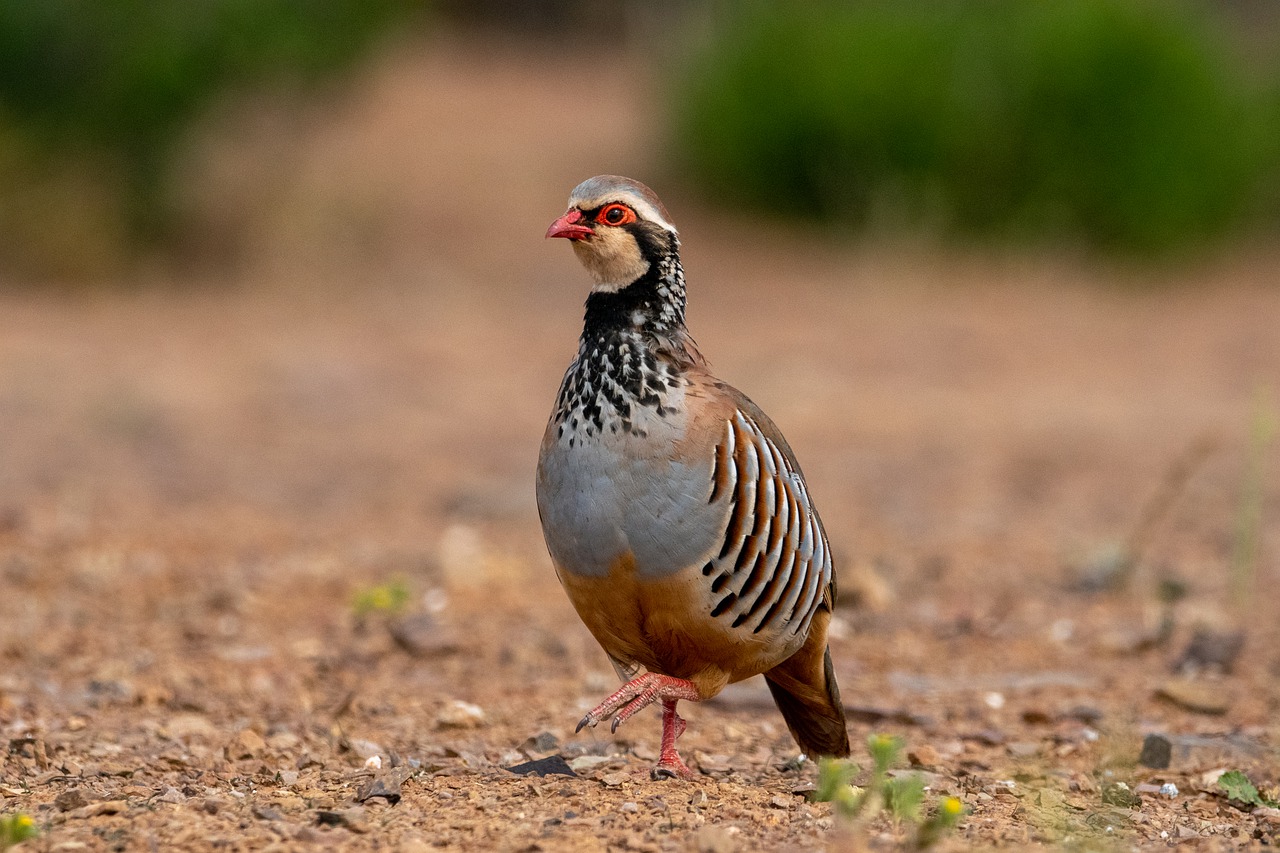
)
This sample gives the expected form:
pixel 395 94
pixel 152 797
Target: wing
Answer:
pixel 773 571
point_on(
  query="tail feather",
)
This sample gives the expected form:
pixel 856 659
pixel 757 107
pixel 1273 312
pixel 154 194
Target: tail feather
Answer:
pixel 805 691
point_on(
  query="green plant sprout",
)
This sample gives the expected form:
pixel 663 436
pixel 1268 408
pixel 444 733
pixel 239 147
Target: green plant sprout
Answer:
pixel 389 598
pixel 902 798
pixel 1236 786
pixel 16 828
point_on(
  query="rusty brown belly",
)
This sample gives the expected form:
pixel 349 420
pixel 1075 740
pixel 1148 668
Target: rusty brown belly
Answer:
pixel 665 626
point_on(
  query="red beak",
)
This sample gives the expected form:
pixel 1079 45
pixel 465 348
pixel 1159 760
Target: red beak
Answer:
pixel 567 226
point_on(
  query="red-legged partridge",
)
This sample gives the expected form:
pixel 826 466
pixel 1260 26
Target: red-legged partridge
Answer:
pixel 676 515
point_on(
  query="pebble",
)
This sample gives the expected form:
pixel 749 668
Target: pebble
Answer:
pixel 587 763
pixel 1157 752
pixel 246 744
pixel 460 715
pixel 171 795
pixel 1194 696
pixel 629 808
pixel 72 798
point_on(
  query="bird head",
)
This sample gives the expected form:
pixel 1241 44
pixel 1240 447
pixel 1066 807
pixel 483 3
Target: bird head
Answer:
pixel 618 229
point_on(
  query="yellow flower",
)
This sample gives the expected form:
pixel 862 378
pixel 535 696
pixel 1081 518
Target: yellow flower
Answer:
pixel 952 806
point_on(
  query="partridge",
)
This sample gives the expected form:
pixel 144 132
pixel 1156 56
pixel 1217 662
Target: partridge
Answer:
pixel 674 511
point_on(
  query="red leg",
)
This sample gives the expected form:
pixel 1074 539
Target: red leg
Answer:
pixel 670 763
pixel 639 693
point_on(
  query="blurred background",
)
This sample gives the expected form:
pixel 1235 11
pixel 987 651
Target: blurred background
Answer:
pixel 279 333
pixel 278 323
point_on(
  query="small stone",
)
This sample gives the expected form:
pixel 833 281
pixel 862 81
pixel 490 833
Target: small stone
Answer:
pixel 923 756
pixel 1023 748
pixel 1194 696
pixel 1209 649
pixel 541 742
pixel 1168 789
pixel 265 813
pixel 75 724
pixel 1267 813
pixel 288 778
pixel 171 795
pixel 1157 751
pixel 460 715
pixel 587 763
pixel 72 798
pixel 781 802
pixel 1119 794
pixel 107 807
pixel 629 808
pixel 553 765
pixel 422 636
pixel 385 784
pixel 614 780
pixel 245 745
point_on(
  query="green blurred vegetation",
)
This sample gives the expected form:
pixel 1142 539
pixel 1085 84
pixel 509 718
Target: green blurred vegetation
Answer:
pixel 95 98
pixel 1128 126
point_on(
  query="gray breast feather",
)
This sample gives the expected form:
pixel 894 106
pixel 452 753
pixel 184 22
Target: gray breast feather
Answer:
pixel 610 494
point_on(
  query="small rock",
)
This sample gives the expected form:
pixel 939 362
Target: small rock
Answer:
pixel 1194 696
pixel 1157 752
pixel 541 742
pixel 923 756
pixel 288 778
pixel 72 798
pixel 422 636
pixel 1209 649
pixel 1168 789
pixel 385 784
pixel 629 808
pixel 108 807
pixel 553 765
pixel 171 795
pixel 266 813
pixel 211 805
pixel 1119 794
pixel 247 744
pixel 460 715
pixel 614 780
pixel 781 802
pixel 1267 813
pixel 587 763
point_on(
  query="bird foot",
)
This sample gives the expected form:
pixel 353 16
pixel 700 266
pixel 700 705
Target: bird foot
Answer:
pixel 637 694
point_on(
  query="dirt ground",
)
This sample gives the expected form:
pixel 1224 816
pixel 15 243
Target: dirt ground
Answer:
pixel 199 480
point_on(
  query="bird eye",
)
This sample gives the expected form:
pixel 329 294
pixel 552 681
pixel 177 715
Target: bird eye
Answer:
pixel 616 214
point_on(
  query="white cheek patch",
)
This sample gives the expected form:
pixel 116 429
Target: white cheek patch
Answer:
pixel 612 257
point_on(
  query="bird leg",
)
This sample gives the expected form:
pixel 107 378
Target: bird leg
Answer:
pixel 639 693
pixel 669 762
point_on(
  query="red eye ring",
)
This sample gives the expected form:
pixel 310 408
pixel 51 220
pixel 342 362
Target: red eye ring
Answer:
pixel 615 214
